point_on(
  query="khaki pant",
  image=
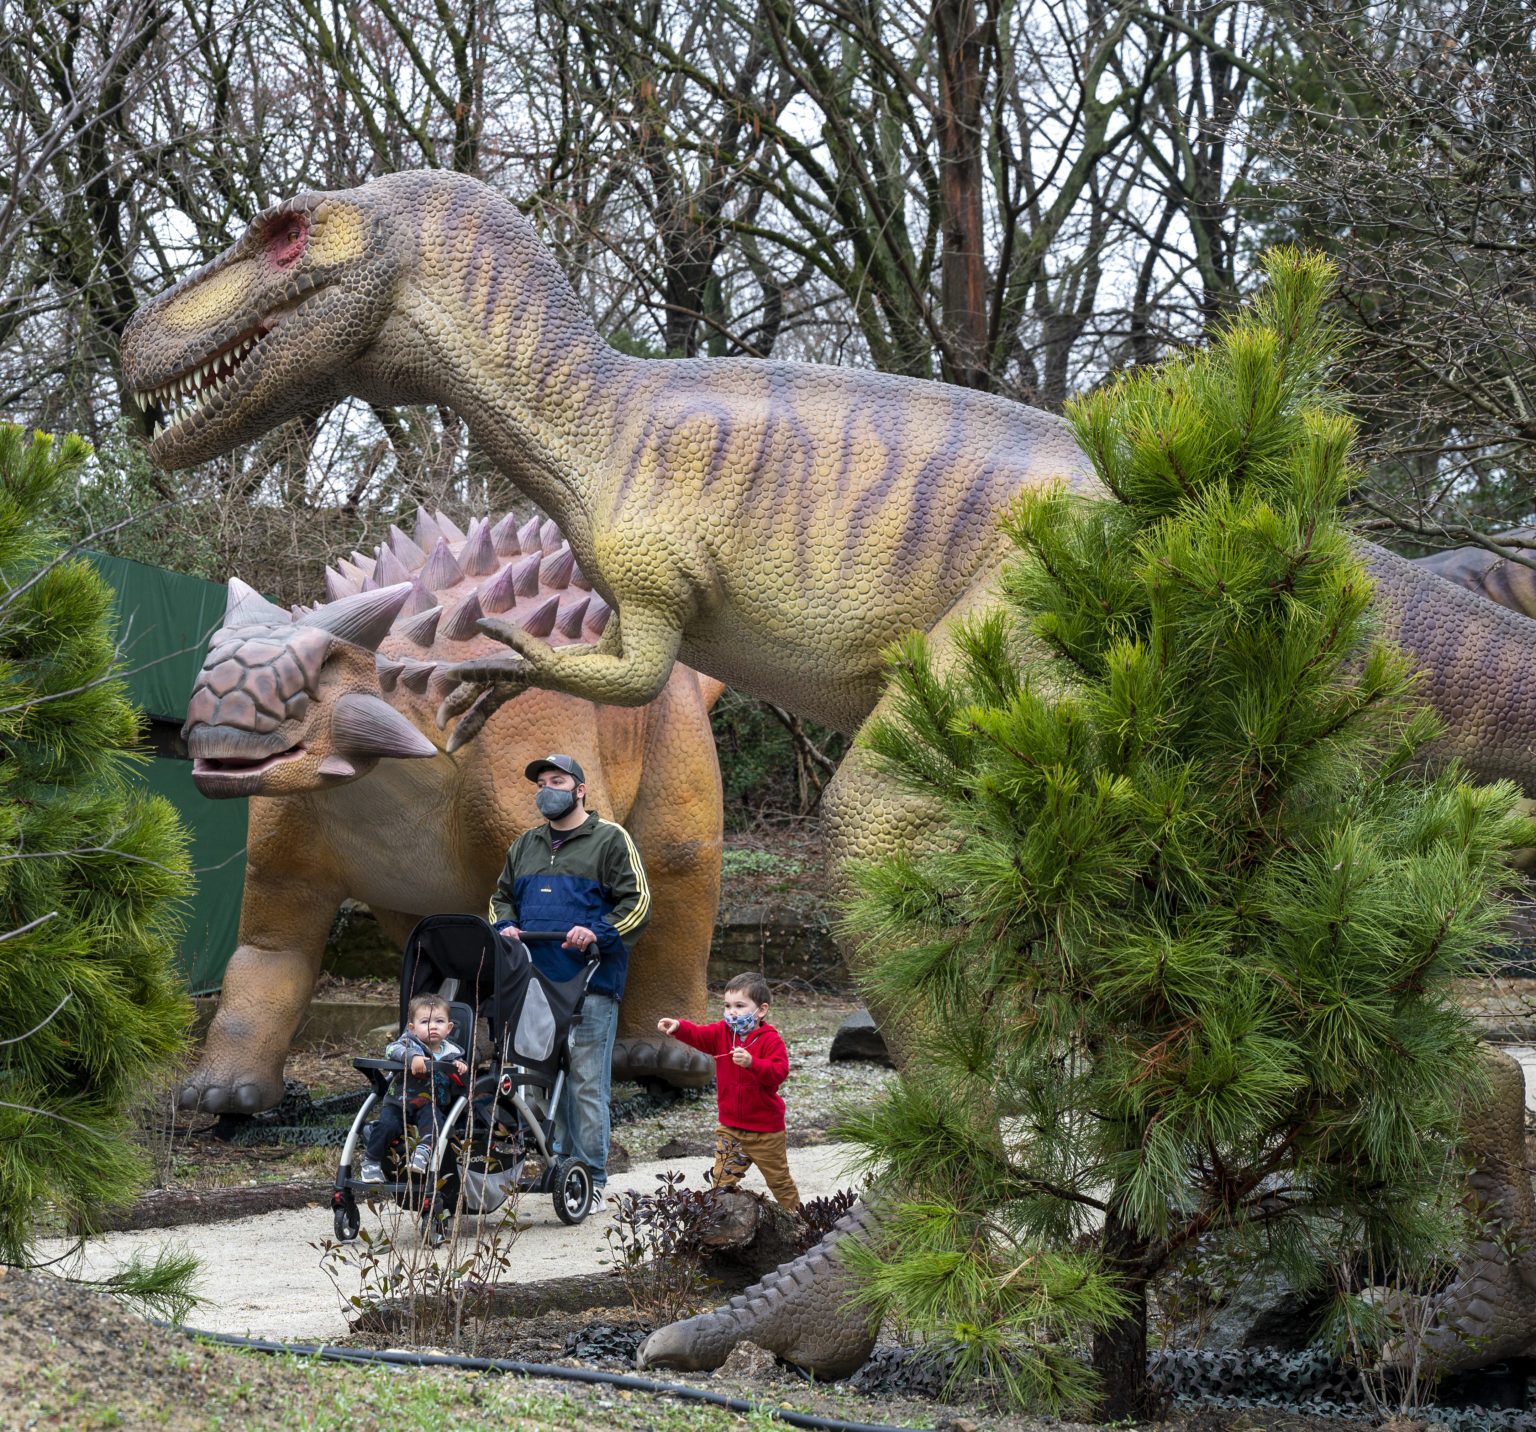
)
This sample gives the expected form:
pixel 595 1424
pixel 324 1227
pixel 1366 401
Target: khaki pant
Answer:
pixel 736 1150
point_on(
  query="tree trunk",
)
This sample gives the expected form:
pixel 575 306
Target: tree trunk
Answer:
pixel 963 277
pixel 1120 1350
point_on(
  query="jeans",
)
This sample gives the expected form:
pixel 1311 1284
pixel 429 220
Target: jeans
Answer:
pixel 391 1125
pixel 581 1122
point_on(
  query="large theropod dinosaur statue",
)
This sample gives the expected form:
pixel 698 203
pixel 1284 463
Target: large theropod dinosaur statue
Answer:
pixel 775 525
pixel 324 718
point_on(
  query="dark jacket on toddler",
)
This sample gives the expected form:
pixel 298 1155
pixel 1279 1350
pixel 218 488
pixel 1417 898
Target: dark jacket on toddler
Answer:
pixel 442 1083
pixel 748 1098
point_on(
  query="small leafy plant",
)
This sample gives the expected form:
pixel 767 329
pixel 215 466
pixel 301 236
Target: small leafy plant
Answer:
pixel 818 1215
pixel 659 1242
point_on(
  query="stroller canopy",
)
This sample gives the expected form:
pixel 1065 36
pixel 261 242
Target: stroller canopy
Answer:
pixel 528 1013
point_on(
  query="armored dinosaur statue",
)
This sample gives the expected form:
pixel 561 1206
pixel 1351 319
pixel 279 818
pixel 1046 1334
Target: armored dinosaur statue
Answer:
pixel 324 717
pixel 1510 584
pixel 773 524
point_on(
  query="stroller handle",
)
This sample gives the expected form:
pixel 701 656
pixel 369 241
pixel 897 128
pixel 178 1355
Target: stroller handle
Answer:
pixel 526 935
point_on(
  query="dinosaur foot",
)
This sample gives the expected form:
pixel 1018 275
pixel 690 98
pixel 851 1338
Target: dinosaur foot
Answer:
pixel 218 1088
pixel 645 1058
pixel 802 1311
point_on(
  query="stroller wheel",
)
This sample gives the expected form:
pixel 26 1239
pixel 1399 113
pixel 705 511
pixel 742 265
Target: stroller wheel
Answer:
pixel 573 1190
pixel 347 1221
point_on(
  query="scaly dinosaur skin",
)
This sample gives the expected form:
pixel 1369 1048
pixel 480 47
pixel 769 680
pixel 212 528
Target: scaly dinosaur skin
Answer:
pixel 775 525
pixel 319 719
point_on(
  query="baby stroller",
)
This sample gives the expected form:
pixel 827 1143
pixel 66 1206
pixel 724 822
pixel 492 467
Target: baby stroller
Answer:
pixel 505 1116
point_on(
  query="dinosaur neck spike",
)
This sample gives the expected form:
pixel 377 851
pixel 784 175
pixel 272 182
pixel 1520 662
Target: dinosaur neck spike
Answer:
pixel 500 593
pixel 448 527
pixel 555 571
pixel 549 536
pixel 570 620
pixel 411 556
pixel 460 624
pixel 525 576
pixel 363 619
pixel 541 620
pixel 338 585
pixel 368 726
pixel 245 605
pixel 478 557
pixel 597 616
pixel 389 672
pixel 427 534
pixel 389 569
pixel 421 629
pixel 528 536
pixel 441 569
pixel 504 537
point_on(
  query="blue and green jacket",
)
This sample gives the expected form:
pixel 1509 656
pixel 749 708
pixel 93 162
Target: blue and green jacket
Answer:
pixel 595 879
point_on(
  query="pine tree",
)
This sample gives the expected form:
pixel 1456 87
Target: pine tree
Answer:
pixel 1181 960
pixel 91 874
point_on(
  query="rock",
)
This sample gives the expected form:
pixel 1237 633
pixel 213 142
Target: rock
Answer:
pixel 618 1157
pixel 749 1363
pixel 961 1424
pixel 1267 1312
pixel 859 1038
pixel 685 1149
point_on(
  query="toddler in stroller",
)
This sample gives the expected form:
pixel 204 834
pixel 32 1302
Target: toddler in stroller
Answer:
pixel 502 1120
pixel 420 1096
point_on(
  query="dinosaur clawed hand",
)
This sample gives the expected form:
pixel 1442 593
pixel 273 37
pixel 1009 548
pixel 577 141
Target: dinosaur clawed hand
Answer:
pixel 489 683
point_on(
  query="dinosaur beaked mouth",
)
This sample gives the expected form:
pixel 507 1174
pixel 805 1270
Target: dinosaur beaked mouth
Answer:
pixel 210 381
pixel 240 766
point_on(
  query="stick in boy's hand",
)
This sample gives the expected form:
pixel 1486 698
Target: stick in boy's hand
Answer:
pixel 740 1057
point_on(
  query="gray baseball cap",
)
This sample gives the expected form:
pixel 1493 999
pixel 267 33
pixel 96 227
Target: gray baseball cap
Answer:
pixel 555 763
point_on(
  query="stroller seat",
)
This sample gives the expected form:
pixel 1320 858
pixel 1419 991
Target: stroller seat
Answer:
pixel 506 1113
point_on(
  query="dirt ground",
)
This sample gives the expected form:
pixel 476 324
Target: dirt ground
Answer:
pixel 75 1360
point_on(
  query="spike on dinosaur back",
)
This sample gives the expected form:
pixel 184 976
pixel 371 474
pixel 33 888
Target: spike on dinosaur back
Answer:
pixel 541 620
pixel 478 557
pixel 504 537
pixel 427 534
pixel 442 569
pixel 421 629
pixel 597 616
pixel 500 593
pixel 571 618
pixel 338 585
pixel 580 579
pixel 448 527
pixel 414 675
pixel 555 571
pixel 350 570
pixel 460 624
pixel 389 569
pixel 363 564
pixel 525 576
pixel 389 672
pixel 549 536
pixel 245 605
pixel 528 536
pixel 410 555
pixel 420 600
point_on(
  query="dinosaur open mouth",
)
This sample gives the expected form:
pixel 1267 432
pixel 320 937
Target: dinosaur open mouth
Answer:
pixel 241 766
pixel 210 381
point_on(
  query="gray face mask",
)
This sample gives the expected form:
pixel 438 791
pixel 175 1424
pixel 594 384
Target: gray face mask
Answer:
pixel 554 803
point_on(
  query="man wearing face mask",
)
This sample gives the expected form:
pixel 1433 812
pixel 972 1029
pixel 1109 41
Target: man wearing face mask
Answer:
pixel 581 874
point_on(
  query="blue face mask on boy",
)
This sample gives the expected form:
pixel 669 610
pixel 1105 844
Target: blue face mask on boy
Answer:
pixel 742 1023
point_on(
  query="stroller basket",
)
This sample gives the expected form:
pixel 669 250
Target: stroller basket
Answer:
pixel 507 1112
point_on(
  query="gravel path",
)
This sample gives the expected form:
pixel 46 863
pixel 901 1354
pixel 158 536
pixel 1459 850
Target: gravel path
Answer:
pixel 262 1276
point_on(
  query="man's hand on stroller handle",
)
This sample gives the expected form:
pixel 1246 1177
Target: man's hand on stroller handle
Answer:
pixel 578 937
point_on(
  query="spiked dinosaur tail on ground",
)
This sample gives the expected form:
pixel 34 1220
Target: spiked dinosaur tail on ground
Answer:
pixel 324 717
pixel 776 525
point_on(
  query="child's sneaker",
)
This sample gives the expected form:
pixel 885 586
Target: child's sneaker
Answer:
pixel 370 1172
pixel 422 1157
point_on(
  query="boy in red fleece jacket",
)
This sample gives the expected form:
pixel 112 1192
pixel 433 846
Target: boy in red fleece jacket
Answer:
pixel 750 1063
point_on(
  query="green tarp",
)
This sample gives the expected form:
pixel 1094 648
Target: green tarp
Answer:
pixel 166 619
